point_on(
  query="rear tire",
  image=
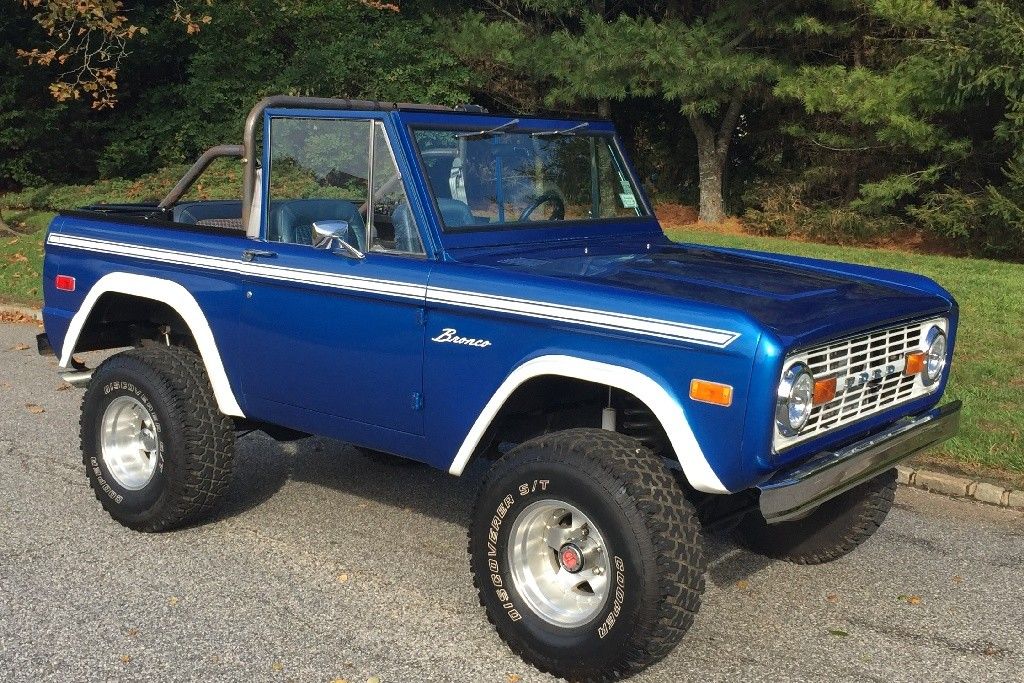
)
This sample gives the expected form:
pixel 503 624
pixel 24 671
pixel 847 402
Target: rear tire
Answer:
pixel 630 584
pixel 156 449
pixel 831 531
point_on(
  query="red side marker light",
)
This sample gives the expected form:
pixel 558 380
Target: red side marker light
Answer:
pixel 64 283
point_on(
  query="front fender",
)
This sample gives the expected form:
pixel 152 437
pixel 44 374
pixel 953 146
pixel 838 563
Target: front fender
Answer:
pixel 665 405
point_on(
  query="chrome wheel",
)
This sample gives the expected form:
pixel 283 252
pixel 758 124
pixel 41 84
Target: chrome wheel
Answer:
pixel 559 563
pixel 128 443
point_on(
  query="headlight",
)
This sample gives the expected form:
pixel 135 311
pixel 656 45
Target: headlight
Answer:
pixel 934 356
pixel 796 397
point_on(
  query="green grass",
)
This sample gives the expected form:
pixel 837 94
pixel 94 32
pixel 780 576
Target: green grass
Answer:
pixel 21 257
pixel 988 366
pixel 31 210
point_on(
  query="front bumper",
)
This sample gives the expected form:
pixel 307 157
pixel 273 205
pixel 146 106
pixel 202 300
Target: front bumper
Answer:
pixel 792 493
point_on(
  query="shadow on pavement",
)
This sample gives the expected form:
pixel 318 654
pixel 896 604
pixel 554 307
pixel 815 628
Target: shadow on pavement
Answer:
pixel 263 466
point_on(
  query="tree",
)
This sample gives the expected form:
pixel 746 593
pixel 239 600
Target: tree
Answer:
pixel 710 59
pixel 88 39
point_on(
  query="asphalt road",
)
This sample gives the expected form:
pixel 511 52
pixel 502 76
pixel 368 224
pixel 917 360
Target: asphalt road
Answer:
pixel 326 565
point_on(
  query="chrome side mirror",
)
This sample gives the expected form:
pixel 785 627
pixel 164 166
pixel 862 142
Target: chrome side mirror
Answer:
pixel 332 235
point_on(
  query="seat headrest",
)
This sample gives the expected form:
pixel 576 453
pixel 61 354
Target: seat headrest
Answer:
pixel 291 220
pixel 456 214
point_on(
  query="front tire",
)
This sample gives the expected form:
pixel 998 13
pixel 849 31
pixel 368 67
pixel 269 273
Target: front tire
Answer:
pixel 587 557
pixel 156 449
pixel 833 530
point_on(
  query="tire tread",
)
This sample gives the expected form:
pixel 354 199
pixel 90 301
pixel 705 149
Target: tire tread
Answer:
pixel 209 437
pixel 642 477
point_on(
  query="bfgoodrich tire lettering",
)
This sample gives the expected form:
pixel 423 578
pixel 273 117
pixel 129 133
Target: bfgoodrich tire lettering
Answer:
pixel 195 442
pixel 652 543
pixel 833 530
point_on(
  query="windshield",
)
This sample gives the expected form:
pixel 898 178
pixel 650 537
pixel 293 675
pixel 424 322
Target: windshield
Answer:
pixel 504 179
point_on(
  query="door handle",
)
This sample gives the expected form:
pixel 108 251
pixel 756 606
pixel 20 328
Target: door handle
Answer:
pixel 250 254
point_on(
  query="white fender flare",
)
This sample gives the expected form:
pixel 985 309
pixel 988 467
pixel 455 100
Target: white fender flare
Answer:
pixel 667 409
pixel 178 298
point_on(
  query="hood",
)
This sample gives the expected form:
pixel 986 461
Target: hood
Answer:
pixel 800 300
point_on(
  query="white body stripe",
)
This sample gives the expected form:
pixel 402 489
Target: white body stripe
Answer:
pixel 349 282
pixel 620 322
pixel 180 300
pixel 668 411
pixel 584 316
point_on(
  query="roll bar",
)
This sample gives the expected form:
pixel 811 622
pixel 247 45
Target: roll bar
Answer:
pixel 247 150
pixel 255 119
pixel 207 158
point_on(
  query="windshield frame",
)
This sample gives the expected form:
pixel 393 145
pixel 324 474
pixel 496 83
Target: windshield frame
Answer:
pixel 527 125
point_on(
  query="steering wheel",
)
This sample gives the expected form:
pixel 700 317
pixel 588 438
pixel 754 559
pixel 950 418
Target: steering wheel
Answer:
pixel 557 213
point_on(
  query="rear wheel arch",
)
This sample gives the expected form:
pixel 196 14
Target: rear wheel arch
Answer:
pixel 120 319
pixel 171 304
pixel 645 389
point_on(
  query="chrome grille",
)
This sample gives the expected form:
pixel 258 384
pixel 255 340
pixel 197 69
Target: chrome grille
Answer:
pixel 869 376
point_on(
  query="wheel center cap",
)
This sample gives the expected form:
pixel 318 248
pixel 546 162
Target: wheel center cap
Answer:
pixel 570 557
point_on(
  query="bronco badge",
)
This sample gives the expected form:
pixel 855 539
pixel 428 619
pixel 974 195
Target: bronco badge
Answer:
pixel 449 336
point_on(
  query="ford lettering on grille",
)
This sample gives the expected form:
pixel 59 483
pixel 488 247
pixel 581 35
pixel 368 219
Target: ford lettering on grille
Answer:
pixel 869 372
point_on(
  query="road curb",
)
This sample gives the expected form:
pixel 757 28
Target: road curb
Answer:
pixel 961 487
pixel 927 480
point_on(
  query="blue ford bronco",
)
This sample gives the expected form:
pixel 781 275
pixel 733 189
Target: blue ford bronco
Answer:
pixel 450 286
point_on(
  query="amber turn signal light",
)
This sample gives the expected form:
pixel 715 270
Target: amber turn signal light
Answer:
pixel 915 363
pixel 824 390
pixel 711 392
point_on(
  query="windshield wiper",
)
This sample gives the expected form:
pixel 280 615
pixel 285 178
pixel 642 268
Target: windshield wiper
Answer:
pixel 563 131
pixel 489 131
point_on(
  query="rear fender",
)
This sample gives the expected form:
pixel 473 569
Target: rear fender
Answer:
pixel 178 298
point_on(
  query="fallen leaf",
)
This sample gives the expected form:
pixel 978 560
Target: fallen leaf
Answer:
pixel 911 599
pixel 125 659
pixel 18 257
pixel 339 680
pixel 514 678
pixel 373 679
pixel 63 386
pixel 743 584
pixel 132 632
pixel 832 598
pixel 991 649
pixel 172 601
pixel 14 317
pixel 342 578
pixel 277 666
pixel 957 579
pixel 838 632
pixel 34 409
pixel 20 347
